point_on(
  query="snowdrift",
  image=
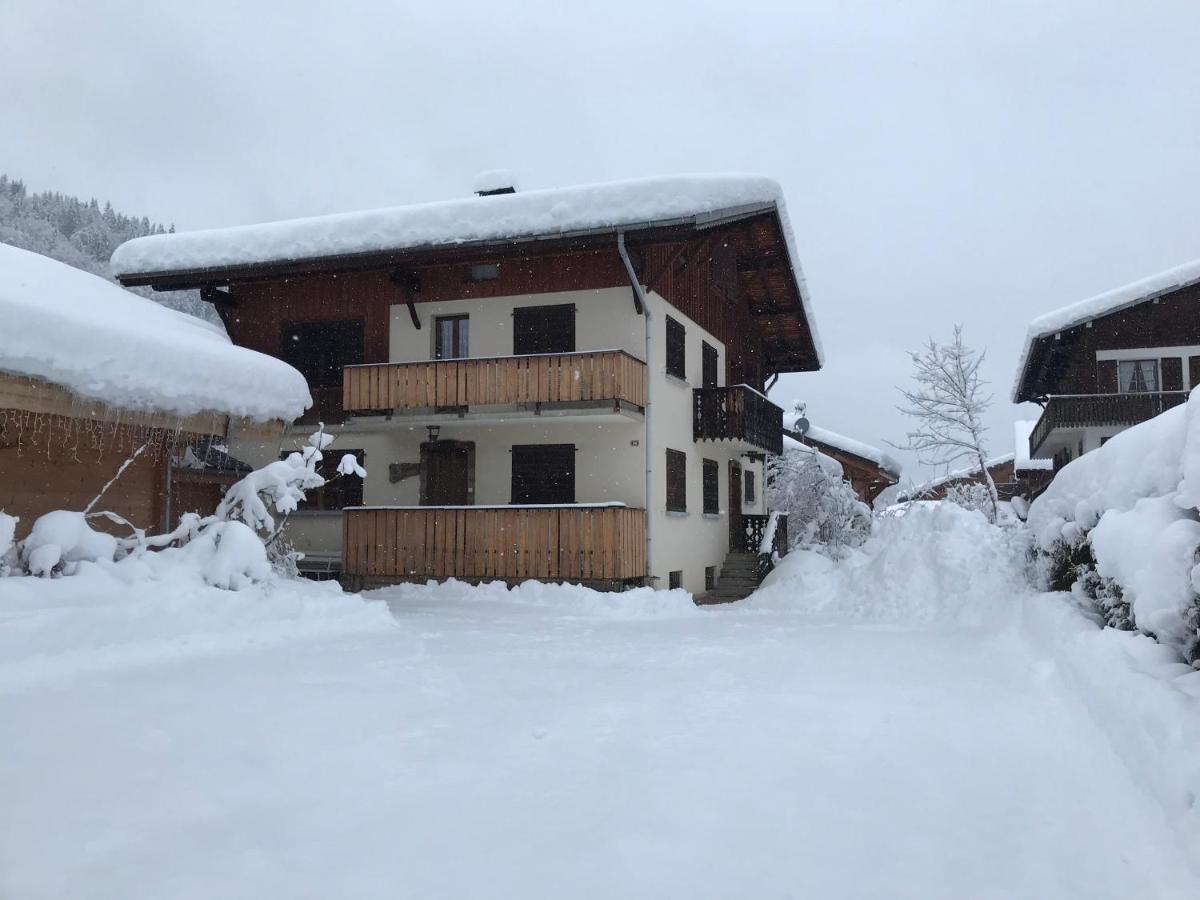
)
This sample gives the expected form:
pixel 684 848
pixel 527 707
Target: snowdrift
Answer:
pixel 118 615
pixel 567 600
pixel 936 564
pixel 1141 696
pixel 1133 503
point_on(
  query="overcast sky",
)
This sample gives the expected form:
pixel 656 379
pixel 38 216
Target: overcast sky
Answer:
pixel 973 162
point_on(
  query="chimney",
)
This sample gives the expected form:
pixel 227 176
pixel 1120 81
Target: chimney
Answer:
pixel 495 181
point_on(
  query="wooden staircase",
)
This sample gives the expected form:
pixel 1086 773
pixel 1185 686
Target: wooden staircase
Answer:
pixel 739 579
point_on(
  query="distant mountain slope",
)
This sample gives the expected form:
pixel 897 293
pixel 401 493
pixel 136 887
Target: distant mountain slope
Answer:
pixel 81 234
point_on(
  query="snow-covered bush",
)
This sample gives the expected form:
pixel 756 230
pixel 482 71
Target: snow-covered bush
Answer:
pixel 236 546
pixel 972 495
pixel 823 510
pixel 1119 528
pixel 8 550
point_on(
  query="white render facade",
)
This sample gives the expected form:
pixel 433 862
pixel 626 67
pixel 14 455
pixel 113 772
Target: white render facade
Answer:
pixel 610 447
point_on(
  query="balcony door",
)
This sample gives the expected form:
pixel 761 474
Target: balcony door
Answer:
pixel 736 539
pixel 447 469
pixel 452 337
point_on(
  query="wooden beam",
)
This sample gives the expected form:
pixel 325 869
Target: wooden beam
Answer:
pixel 409 284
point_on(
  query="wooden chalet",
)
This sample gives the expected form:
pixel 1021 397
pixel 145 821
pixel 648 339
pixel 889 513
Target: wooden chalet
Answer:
pixel 869 470
pixel 1100 366
pixel 488 357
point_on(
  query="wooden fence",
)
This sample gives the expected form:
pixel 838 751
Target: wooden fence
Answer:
pixel 610 375
pixel 573 543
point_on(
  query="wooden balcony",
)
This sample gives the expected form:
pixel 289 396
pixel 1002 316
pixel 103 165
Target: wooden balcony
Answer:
pixel 1088 410
pixel 737 413
pixel 511 543
pixel 603 378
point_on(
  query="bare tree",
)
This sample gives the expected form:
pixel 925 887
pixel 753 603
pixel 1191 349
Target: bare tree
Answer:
pixel 948 404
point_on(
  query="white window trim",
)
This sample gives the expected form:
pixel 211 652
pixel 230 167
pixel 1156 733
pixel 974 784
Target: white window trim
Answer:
pixel 1155 353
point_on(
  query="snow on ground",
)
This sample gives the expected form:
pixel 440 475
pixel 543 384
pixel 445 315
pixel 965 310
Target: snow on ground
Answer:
pixel 551 742
pixel 104 343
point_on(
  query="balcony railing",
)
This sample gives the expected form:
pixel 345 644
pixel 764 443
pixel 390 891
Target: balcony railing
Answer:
pixel 558 543
pixel 1086 410
pixel 754 539
pixel 607 376
pixel 737 413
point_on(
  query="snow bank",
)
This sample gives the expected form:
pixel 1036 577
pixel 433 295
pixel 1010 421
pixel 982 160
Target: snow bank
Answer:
pixel 936 564
pixel 128 614
pixel 524 214
pixel 1103 305
pixel 104 343
pixel 1146 701
pixel 1134 501
pixel 566 599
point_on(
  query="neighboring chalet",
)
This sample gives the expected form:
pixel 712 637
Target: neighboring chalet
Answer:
pixel 1015 474
pixel 92 375
pixel 556 384
pixel 869 470
pixel 1102 365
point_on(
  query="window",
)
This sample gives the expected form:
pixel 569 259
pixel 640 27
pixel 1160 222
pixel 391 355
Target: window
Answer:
pixel 320 350
pixel 748 496
pixel 1137 376
pixel 544 329
pixel 675 579
pixel 339 491
pixel 712 480
pixel 451 337
pixel 676 352
pixel 543 473
pixel 485 272
pixel 676 481
pixel 709 359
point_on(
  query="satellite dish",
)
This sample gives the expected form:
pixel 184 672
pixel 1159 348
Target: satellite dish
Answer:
pixel 800 425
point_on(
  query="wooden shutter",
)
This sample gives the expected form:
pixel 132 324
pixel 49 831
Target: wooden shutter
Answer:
pixel 676 481
pixel 712 481
pixel 1193 371
pixel 709 355
pixel 544 329
pixel 1171 370
pixel 749 486
pixel 543 473
pixel 676 352
pixel 1106 376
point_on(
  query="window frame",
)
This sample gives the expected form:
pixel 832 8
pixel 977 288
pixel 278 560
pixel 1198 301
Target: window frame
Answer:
pixel 568 341
pixel 675 479
pixel 676 348
pixel 1139 372
pixel 711 475
pixel 522 487
pixel 460 336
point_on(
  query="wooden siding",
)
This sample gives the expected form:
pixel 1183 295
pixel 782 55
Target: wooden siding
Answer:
pixel 556 543
pixel 556 378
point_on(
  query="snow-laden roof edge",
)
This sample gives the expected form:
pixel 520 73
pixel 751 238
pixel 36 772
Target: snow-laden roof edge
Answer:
pixel 1109 302
pixel 849 445
pixel 104 343
pixel 547 212
pixel 917 490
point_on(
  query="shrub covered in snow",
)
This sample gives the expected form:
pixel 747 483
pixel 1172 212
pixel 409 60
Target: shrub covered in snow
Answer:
pixel 235 547
pixel 1119 527
pixel 823 510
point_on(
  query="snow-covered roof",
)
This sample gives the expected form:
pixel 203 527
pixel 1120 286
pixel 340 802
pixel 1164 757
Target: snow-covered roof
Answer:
pixel 523 215
pixel 105 343
pixel 1022 429
pixel 1102 305
pixel 967 472
pixel 848 445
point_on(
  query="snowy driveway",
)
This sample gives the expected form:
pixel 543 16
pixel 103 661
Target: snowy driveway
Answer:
pixel 483 750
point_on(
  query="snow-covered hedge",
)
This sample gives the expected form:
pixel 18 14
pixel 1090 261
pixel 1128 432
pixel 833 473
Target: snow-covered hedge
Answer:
pixel 1119 527
pixel 823 510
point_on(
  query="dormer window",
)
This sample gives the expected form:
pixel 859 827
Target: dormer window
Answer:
pixel 1137 376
